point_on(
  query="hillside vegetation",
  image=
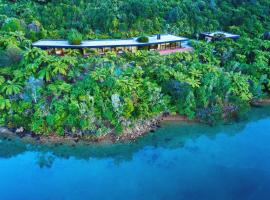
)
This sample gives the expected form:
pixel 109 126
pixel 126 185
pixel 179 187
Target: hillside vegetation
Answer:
pixel 71 94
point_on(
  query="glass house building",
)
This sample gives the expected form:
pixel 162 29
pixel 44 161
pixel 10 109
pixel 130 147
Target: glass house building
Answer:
pixel 218 35
pixel 155 43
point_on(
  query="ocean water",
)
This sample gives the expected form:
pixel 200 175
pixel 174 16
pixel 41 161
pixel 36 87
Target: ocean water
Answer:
pixel 179 161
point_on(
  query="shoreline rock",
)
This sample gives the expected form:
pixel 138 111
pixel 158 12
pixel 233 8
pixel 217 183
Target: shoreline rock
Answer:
pixel 141 128
pixel 177 118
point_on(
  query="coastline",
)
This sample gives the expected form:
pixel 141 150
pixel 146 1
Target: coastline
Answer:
pixel 264 102
pixel 141 128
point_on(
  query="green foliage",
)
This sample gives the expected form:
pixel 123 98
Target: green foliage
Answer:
pixel 12 25
pixel 13 53
pixel 71 94
pixel 219 37
pixel 143 39
pixel 10 56
pixel 74 37
pixel 133 17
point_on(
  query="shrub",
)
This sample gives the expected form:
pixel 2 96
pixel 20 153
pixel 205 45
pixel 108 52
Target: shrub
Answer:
pixel 12 25
pixel 3 59
pixel 74 37
pixel 219 37
pixel 14 54
pixel 3 18
pixel 143 39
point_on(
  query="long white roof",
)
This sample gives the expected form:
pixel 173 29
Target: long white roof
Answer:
pixel 47 43
pixel 227 35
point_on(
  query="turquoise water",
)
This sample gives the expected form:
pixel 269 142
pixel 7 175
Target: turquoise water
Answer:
pixel 179 161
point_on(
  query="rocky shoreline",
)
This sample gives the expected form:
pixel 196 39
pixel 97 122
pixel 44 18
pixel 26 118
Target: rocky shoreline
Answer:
pixel 141 128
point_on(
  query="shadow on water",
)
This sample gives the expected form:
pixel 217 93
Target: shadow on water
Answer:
pixel 172 135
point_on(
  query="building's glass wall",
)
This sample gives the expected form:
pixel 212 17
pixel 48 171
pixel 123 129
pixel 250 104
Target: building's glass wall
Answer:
pixel 119 50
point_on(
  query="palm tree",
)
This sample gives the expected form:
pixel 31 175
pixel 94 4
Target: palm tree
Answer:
pixel 4 103
pixel 11 87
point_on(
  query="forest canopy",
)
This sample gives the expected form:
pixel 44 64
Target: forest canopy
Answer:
pixel 119 18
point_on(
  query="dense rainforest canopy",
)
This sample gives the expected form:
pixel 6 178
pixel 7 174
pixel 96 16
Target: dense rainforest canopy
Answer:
pixel 95 95
pixel 118 18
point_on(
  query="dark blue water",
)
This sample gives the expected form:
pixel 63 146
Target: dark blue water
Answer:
pixel 179 161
